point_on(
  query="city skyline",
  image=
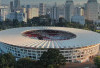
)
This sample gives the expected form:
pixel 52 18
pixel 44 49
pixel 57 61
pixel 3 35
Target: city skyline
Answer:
pixel 34 2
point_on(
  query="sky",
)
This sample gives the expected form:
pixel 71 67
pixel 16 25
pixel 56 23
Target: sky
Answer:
pixel 45 1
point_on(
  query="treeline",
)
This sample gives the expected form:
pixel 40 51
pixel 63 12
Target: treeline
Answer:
pixel 50 59
pixel 41 21
pixel 97 61
pixel 9 61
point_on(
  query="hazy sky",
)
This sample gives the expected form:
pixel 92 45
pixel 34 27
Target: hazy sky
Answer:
pixel 45 1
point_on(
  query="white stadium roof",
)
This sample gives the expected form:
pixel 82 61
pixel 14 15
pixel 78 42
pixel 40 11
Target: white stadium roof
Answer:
pixel 84 38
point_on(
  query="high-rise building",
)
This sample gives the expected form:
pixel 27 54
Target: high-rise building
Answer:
pixel 92 1
pixel 79 11
pixel 91 10
pixel 16 4
pixel 18 15
pixel 2 15
pixel 99 12
pixel 11 6
pixel 28 6
pixel 22 16
pixel 12 15
pixel 42 9
pixel 0 2
pixel 61 11
pixel 69 10
pixel 3 12
pixel 54 14
pixel 32 12
pixel 23 10
pixel 78 19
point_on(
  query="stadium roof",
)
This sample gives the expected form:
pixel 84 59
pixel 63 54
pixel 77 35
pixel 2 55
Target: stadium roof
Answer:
pixel 84 38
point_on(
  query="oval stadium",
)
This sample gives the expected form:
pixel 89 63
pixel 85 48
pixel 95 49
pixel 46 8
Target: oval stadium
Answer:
pixel 76 45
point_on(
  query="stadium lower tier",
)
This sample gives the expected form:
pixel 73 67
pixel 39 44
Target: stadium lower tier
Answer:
pixel 81 54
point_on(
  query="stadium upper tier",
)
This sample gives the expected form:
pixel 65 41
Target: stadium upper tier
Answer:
pixel 49 37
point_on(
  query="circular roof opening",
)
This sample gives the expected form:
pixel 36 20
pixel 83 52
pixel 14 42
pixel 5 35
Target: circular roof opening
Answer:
pixel 49 35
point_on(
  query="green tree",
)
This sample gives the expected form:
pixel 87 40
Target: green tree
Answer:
pixel 52 57
pixel 15 23
pixel 50 66
pixel 22 24
pixel 7 61
pixel 90 25
pixel 26 63
pixel 97 61
pixel 35 21
pixel 29 23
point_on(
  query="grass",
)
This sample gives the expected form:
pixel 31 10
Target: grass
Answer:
pixel 98 31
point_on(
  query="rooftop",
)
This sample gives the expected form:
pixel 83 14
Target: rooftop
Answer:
pixel 83 38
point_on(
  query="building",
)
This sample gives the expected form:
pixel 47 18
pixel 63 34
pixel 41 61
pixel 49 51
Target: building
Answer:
pixel 69 10
pixel 76 45
pixel 21 16
pixel 11 6
pixel 79 11
pixel 54 13
pixel 82 11
pixel 97 23
pixel 24 10
pixel 61 11
pixel 42 9
pixel 12 16
pixel 16 4
pixel 78 19
pixel 98 28
pixel 28 6
pixel 32 12
pixel 18 15
pixel 3 13
pixel 91 10
pixel 99 12
pixel 0 2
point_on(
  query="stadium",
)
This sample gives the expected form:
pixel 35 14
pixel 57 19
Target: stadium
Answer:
pixel 76 45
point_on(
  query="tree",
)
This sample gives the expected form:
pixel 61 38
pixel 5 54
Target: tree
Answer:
pixel 90 25
pixel 22 24
pixel 97 61
pixel 15 23
pixel 52 57
pixel 50 66
pixel 7 61
pixel 35 21
pixel 26 63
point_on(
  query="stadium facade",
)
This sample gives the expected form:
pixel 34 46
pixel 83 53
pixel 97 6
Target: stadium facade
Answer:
pixel 76 45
